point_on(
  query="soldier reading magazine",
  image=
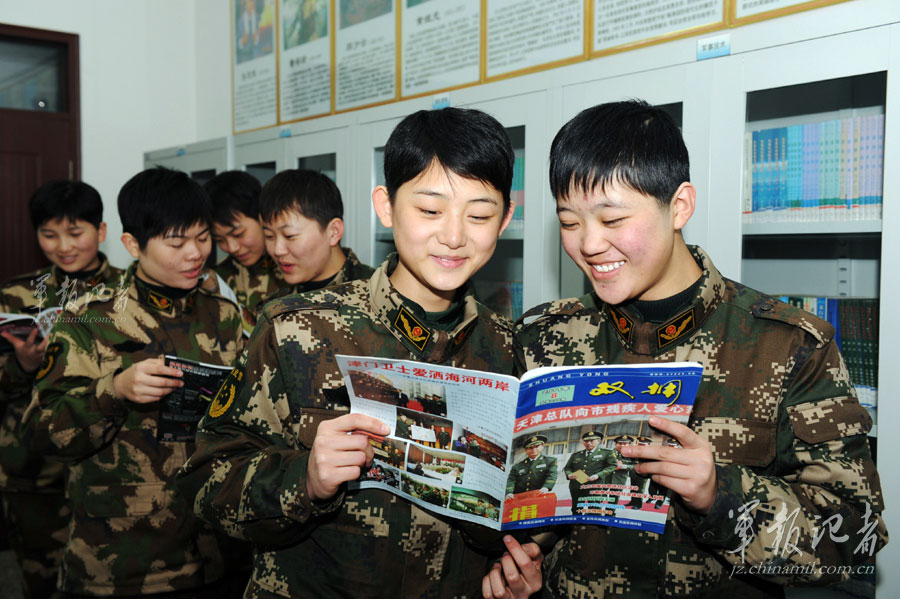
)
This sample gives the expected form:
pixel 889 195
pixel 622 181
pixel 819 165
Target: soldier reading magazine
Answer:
pixel 776 444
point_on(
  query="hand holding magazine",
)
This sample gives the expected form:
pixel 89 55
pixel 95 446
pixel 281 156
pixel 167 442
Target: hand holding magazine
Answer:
pixel 517 453
pixel 21 325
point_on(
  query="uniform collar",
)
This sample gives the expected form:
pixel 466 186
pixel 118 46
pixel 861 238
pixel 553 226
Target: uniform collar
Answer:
pixel 157 301
pixel 395 313
pixel 264 266
pixel 652 339
pixel 351 263
pixel 101 275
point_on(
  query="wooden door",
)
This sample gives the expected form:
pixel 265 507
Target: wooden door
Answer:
pixel 37 143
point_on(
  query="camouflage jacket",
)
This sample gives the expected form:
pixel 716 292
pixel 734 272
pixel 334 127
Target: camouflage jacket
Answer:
pixel 787 435
pixel 352 270
pixel 252 285
pixel 249 471
pixel 20 469
pixel 131 533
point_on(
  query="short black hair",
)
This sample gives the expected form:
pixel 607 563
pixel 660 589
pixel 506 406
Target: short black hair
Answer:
pixel 310 193
pixel 71 200
pixel 159 201
pixel 630 142
pixel 467 142
pixel 233 193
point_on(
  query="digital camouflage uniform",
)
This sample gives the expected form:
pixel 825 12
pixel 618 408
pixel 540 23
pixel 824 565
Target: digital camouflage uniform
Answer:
pixel 600 461
pixel 33 488
pixel 777 406
pixel 130 532
pixel 249 471
pixel 531 475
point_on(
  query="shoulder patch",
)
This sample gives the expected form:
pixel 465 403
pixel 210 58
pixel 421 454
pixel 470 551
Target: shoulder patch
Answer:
pixel 51 355
pixel 224 399
pixel 770 308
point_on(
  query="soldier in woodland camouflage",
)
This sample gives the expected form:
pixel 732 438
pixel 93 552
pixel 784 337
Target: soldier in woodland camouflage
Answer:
pixel 67 216
pixel 248 270
pixel 273 452
pixel 97 404
pixel 776 445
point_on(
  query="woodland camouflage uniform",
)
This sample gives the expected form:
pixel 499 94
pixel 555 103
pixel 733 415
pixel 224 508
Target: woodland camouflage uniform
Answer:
pixel 263 281
pixel 249 472
pixel 130 533
pixel 786 430
pixel 33 488
pixel 352 270
pixel 252 285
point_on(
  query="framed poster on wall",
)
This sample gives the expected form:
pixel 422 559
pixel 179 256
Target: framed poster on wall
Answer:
pixel 254 86
pixel 304 61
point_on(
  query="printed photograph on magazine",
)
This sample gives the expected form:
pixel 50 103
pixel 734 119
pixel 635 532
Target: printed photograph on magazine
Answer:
pixel 505 453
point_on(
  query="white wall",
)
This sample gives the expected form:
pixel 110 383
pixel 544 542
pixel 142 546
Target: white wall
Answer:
pixel 213 72
pixel 138 83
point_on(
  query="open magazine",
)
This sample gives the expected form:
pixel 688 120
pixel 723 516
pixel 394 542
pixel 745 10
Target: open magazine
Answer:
pixel 517 453
pixel 21 325
pixel 181 410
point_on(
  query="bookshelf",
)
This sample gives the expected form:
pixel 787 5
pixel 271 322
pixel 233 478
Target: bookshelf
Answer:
pixel 811 207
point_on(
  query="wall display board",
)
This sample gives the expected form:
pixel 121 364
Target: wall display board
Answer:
pixel 755 10
pixel 365 53
pixel 524 35
pixel 620 23
pixel 299 59
pixel 441 44
pixel 254 65
pixel 304 59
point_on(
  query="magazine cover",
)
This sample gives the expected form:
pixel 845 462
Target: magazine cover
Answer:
pixel 509 454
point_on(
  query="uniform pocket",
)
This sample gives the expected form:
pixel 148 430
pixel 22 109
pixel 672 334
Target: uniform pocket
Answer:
pixel 738 441
pixel 829 419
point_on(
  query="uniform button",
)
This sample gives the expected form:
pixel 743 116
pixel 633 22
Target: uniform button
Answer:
pixel 708 535
pixel 765 307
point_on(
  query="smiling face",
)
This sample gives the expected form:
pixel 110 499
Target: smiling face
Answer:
pixel 172 260
pixel 627 244
pixel 71 245
pixel 303 249
pixel 242 238
pixel 445 229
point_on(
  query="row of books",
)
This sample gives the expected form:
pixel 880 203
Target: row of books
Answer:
pixel 825 170
pixel 855 322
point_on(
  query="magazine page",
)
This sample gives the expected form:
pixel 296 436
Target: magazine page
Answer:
pixel 449 444
pixel 19 325
pixel 181 410
pixel 570 425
